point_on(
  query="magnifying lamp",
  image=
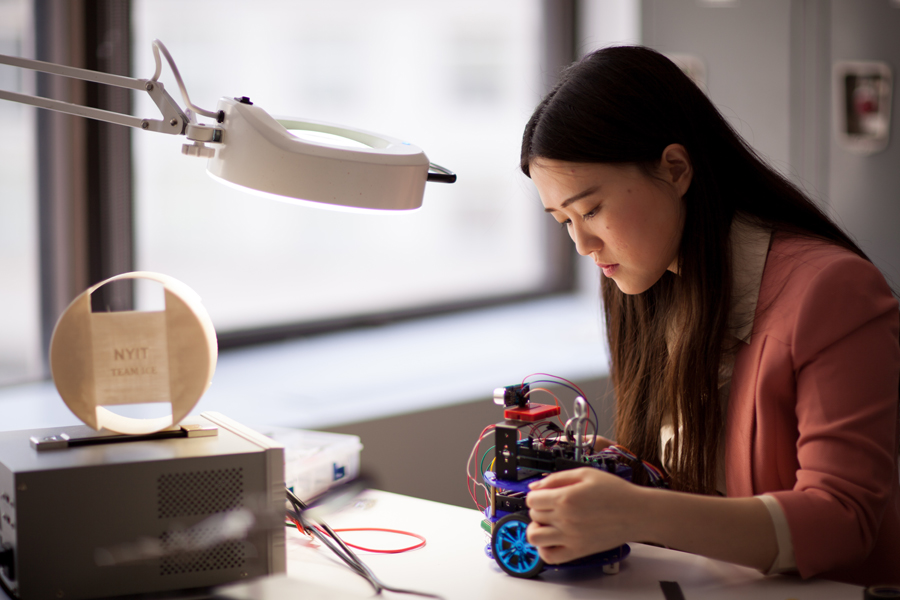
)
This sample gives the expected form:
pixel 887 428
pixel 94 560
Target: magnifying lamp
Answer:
pixel 288 159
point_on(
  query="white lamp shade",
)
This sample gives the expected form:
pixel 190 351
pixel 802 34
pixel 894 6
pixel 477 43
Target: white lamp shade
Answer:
pixel 258 152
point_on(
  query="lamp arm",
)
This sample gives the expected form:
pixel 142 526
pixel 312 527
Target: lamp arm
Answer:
pixel 174 121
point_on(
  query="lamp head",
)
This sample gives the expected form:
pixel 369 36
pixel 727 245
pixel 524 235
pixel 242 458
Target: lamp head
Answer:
pixel 259 152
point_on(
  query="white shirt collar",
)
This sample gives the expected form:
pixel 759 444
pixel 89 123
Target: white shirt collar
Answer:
pixel 749 248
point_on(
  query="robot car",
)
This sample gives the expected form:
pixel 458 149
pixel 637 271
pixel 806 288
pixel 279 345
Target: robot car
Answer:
pixel 528 445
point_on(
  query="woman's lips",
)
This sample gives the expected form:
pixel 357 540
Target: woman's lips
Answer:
pixel 608 270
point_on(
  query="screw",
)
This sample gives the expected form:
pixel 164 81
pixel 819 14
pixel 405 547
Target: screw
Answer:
pixel 173 122
pixel 149 86
pixel 145 125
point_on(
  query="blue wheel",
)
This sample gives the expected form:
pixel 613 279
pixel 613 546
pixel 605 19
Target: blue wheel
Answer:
pixel 511 548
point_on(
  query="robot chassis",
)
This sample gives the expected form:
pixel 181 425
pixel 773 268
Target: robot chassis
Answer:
pixel 519 462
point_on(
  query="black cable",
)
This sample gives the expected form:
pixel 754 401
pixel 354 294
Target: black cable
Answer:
pixel 370 575
pixel 343 550
pixel 354 565
pixel 299 507
pixel 357 564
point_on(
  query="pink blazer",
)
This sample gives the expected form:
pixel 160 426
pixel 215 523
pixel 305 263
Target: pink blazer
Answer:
pixel 813 410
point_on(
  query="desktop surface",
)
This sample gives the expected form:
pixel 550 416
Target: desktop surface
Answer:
pixel 454 566
pixel 453 563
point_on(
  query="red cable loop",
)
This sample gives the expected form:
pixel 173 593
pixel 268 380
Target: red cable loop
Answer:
pixel 398 551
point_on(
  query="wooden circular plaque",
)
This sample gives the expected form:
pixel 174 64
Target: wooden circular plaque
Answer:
pixel 101 359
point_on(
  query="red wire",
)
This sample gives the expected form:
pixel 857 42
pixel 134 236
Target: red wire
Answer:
pixel 299 527
pixel 571 383
pixel 557 377
pixel 398 551
pixel 555 399
pixel 472 482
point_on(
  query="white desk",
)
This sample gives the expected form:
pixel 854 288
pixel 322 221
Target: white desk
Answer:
pixel 453 563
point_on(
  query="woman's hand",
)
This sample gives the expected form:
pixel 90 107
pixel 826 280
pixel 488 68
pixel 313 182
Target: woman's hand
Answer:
pixel 580 512
pixel 600 442
pixel 584 511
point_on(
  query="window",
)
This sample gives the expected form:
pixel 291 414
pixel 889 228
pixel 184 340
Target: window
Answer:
pixel 20 357
pixel 458 80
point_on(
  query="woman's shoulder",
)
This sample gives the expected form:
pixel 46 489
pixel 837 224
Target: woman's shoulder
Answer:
pixel 801 265
pixel 807 279
pixel 810 255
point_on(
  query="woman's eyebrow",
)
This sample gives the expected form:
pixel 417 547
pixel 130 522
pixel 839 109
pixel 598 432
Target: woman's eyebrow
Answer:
pixel 576 198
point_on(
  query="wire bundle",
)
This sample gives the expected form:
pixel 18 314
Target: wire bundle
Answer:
pixel 333 542
pixel 547 434
pixel 544 432
pixel 657 478
pixel 561 381
pixel 472 484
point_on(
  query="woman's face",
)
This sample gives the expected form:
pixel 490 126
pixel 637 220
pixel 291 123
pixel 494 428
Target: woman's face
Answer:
pixel 629 223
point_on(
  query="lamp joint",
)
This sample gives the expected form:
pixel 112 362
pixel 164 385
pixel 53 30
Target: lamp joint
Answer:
pixel 198 149
pixel 203 133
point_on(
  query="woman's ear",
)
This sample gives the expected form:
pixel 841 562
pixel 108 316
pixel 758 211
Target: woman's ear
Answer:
pixel 675 167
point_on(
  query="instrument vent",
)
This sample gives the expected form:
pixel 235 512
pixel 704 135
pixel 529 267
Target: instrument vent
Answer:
pixel 200 492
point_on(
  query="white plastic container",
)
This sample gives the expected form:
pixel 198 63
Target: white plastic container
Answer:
pixel 315 460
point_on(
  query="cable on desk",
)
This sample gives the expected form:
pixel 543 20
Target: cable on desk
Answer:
pixel 330 538
pixel 421 539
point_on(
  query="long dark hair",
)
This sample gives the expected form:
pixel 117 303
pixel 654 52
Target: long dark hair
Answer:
pixel 625 105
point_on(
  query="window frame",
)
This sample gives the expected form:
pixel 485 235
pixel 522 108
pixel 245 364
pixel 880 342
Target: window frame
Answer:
pixel 85 195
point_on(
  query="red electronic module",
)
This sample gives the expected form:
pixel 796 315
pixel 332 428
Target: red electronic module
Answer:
pixel 531 413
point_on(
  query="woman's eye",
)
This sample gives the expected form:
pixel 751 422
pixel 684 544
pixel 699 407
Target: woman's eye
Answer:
pixel 590 214
pixel 564 224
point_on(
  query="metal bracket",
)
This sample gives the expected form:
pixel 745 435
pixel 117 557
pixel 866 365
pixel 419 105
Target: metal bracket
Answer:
pixel 85 436
pixel 575 425
pixel 173 122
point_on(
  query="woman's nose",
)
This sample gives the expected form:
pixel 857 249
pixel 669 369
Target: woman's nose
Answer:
pixel 585 241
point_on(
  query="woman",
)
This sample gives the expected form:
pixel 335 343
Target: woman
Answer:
pixel 754 347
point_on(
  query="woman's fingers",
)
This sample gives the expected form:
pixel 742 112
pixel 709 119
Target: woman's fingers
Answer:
pixel 544 535
pixel 577 512
pixel 549 542
pixel 553 545
pixel 559 479
pixel 542 500
pixel 601 442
